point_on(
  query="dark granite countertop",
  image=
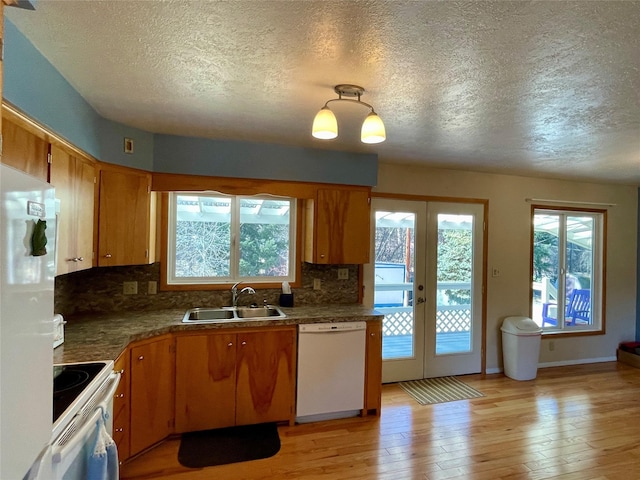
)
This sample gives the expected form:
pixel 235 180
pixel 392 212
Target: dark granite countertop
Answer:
pixel 104 336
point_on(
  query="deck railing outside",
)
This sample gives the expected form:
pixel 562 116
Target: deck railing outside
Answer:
pixel 449 318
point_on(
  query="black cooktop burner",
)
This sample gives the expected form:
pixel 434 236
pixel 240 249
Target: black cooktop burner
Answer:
pixel 68 383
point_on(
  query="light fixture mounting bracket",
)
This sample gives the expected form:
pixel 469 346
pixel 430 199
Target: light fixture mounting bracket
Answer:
pixel 348 90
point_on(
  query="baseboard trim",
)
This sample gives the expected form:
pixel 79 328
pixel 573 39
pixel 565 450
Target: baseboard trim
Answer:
pixel 562 363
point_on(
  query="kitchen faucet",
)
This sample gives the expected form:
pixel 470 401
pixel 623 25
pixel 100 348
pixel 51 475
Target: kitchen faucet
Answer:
pixel 235 294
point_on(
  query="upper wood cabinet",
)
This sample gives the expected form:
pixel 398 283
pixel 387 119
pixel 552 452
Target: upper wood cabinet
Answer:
pixel 337 227
pixel 152 392
pixel 125 217
pixel 74 179
pixel 24 150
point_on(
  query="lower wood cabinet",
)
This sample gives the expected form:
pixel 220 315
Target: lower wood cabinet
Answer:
pixel 152 392
pixel 214 379
pixel 373 368
pixel 225 379
pixel 121 428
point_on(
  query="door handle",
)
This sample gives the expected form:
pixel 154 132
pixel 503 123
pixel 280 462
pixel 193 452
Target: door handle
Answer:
pixel 420 300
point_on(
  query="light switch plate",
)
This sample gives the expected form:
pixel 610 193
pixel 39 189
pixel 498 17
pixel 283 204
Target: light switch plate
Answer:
pixel 152 288
pixel 317 285
pixel 343 274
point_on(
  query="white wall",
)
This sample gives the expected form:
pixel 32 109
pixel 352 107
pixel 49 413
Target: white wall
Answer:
pixel 509 233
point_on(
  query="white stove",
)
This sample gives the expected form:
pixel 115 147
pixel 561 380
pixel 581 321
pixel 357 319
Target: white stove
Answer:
pixel 83 395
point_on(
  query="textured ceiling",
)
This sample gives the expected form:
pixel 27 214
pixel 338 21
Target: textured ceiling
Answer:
pixel 548 88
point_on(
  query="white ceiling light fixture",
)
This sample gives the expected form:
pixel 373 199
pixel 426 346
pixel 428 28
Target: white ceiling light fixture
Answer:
pixel 325 125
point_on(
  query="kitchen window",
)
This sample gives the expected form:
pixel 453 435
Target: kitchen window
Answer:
pixel 568 270
pixel 220 239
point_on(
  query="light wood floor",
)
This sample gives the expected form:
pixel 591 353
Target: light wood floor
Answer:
pixel 580 422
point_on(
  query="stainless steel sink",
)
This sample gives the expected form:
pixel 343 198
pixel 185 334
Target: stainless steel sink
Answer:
pixel 215 315
pixel 199 315
pixel 259 312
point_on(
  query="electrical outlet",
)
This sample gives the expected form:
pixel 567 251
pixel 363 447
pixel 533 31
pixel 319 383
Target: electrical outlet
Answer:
pixel 152 288
pixel 317 284
pixel 129 288
pixel 343 274
pixel 495 272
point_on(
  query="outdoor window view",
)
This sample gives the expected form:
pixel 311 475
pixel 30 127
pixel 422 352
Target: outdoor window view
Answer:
pixel 215 238
pixel 394 282
pixel 567 269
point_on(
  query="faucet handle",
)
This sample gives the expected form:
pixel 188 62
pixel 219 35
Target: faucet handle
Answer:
pixel 235 285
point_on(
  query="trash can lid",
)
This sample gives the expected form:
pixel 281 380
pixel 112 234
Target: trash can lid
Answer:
pixel 520 326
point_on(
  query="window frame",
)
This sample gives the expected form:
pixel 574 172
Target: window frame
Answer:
pixel 206 283
pixel 598 277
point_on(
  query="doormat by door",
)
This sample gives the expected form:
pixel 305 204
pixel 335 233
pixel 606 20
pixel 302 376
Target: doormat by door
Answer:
pixel 439 390
pixel 228 445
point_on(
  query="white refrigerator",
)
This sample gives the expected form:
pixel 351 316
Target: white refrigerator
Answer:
pixel 26 323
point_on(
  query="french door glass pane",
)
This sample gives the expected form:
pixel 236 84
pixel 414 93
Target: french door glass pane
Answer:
pixel 203 236
pixel 454 276
pixel 394 270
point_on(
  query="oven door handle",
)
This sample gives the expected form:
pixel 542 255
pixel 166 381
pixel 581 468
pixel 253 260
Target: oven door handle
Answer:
pixel 73 434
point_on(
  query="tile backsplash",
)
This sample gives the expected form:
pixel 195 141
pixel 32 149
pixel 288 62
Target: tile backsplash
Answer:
pixel 100 290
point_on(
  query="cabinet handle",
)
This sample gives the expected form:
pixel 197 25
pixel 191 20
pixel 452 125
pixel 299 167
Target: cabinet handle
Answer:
pixel 373 334
pixel 122 372
pixel 244 343
pixel 322 255
pixel 108 255
pixel 141 357
pixel 230 344
pixel 119 429
pixel 120 396
pixel 80 259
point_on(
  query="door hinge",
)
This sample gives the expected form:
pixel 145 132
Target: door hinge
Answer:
pixel 146 253
pixel 148 188
pixel 49 159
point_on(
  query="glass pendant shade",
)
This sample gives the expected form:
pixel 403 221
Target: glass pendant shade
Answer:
pixel 372 129
pixel 325 125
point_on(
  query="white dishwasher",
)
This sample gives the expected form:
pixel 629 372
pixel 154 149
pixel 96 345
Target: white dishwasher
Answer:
pixel 331 359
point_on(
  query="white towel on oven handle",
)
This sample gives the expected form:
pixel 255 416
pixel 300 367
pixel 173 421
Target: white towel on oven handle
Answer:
pixel 103 459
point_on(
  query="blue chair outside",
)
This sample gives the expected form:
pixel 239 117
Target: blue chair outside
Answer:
pixel 578 309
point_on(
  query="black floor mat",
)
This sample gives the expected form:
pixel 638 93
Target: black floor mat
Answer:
pixel 228 445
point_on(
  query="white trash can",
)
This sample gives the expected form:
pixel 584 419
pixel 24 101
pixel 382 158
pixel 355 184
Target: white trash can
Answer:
pixel 520 347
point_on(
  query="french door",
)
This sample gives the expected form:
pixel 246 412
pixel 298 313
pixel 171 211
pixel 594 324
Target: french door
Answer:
pixel 426 278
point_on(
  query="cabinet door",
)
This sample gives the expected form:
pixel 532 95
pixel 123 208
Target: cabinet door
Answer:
pixel 152 384
pixel 205 381
pixel 25 151
pixel 74 180
pixel 341 227
pixel 124 218
pixel 373 369
pixel 266 376
pixel 121 428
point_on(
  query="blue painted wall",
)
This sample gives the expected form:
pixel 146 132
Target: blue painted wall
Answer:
pixel 225 158
pixel 34 86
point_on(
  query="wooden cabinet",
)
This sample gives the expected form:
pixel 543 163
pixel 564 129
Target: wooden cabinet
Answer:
pixel 337 227
pixel 227 378
pixel 152 392
pixel 125 217
pixel 205 381
pixel 74 179
pixel 24 150
pixel 121 427
pixel 373 368
pixel 266 375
